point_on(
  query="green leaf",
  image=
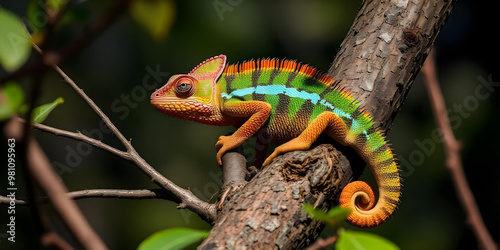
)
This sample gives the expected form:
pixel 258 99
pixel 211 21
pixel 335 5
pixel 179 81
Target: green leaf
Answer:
pixel 41 112
pixel 155 16
pixel 332 217
pixel 349 240
pixel 15 45
pixel 173 238
pixel 11 99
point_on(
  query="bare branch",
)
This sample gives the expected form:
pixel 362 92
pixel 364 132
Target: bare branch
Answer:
pixel 234 169
pixel 94 107
pixel 104 193
pixel 267 212
pixel 79 137
pixel 185 198
pixel 322 243
pixel 453 161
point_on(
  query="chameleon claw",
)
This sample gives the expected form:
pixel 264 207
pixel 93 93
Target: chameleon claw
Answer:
pixel 219 147
pixel 295 144
pixel 226 143
pixel 270 158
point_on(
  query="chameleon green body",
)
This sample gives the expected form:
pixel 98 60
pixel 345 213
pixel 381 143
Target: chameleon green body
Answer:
pixel 296 98
pixel 293 103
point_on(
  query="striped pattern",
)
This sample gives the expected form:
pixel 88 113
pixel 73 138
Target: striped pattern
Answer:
pixel 298 94
pixel 294 90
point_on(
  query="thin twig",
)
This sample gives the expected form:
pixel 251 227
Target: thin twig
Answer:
pixel 322 243
pixel 80 137
pixel 94 107
pixel 185 198
pixel 103 193
pixel 453 161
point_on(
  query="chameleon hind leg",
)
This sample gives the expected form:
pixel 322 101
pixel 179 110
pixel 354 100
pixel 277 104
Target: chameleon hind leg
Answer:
pixel 257 113
pixel 326 121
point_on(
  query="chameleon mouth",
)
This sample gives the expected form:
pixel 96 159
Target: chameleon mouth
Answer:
pixel 177 109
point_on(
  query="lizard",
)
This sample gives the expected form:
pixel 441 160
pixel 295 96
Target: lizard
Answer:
pixel 294 103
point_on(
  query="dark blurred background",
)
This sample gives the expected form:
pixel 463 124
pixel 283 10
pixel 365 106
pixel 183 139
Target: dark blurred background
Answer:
pixel 115 71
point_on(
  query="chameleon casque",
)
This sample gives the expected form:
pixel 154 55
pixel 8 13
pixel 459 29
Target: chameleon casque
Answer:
pixel 294 103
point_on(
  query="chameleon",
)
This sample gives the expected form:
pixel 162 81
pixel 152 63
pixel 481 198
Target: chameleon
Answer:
pixel 294 103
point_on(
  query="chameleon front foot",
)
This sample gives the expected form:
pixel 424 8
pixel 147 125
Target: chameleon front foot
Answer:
pixel 226 143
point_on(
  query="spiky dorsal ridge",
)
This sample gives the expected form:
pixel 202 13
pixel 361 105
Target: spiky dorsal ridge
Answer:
pixel 281 64
pixel 297 67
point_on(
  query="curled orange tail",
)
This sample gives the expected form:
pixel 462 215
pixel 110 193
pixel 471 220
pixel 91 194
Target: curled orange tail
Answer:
pixel 360 198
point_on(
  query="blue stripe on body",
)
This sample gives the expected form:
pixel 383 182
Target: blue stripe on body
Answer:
pixel 293 92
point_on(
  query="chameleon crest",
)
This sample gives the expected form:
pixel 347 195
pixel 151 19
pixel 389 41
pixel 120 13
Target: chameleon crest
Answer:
pixel 293 103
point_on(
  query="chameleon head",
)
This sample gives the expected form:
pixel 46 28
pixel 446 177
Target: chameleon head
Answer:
pixel 192 96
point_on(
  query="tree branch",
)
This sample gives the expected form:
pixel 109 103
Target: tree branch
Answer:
pixel 79 137
pixel 384 50
pixel 234 170
pixel 185 198
pixel 92 105
pixel 322 243
pixel 453 161
pixel 267 212
pixel 104 193
pixel 377 62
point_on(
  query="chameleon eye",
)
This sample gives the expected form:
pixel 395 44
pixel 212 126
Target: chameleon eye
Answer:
pixel 184 86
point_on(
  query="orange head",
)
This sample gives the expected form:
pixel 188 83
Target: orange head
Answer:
pixel 192 96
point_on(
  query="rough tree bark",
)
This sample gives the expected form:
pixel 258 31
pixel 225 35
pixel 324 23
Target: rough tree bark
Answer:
pixel 377 62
